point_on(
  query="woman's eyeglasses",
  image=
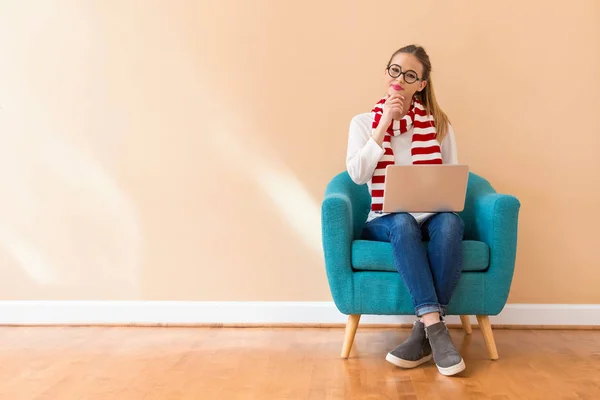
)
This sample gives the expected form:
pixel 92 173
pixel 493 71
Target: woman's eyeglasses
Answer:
pixel 395 71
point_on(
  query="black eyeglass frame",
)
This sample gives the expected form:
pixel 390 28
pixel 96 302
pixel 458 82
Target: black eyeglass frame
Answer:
pixel 403 73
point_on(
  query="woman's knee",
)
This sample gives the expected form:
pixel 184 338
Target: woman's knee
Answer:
pixel 449 224
pixel 404 223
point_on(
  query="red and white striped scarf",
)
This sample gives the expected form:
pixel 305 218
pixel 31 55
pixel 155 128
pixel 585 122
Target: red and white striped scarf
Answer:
pixel 425 149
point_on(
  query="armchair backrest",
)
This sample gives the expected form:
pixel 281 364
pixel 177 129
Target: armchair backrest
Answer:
pixel 476 186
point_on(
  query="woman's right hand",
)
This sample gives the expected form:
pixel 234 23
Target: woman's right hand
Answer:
pixel 393 109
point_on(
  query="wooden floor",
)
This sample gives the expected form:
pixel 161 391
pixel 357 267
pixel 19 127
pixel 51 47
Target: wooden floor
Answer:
pixel 285 363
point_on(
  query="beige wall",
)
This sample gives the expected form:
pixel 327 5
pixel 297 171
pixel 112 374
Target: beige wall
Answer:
pixel 180 150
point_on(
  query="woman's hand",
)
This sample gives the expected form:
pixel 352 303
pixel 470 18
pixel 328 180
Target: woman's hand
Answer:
pixel 393 109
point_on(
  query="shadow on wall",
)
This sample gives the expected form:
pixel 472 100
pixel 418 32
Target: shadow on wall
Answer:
pixel 258 164
pixel 64 222
pixel 62 217
pixel 254 159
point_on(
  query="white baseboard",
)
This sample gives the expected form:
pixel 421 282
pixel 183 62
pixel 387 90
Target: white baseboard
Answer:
pixel 251 313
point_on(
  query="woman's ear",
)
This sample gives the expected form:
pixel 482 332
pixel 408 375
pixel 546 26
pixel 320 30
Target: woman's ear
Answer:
pixel 422 85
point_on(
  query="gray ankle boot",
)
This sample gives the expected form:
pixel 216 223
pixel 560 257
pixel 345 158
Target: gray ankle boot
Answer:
pixel 446 357
pixel 414 351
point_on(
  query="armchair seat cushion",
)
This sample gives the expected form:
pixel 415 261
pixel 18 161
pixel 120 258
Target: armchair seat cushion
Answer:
pixel 377 256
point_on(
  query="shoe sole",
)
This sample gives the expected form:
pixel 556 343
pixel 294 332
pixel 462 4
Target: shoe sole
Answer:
pixel 453 370
pixel 399 362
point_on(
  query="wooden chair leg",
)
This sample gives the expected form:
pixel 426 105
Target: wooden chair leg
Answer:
pixel 466 324
pixel 488 335
pixel 351 327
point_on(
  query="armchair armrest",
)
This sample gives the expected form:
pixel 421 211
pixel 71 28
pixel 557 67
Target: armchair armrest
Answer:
pixel 337 236
pixel 496 224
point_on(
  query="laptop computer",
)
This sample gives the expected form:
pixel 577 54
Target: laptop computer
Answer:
pixel 425 188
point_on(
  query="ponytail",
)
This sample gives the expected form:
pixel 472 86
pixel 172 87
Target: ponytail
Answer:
pixel 433 108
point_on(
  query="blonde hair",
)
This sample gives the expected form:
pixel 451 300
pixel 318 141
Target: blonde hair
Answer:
pixel 427 95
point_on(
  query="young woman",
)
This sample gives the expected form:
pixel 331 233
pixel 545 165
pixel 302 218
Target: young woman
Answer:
pixel 407 126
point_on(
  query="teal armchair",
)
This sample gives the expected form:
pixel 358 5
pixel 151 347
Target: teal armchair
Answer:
pixel 362 276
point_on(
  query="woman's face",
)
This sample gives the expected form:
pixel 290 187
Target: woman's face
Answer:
pixel 411 68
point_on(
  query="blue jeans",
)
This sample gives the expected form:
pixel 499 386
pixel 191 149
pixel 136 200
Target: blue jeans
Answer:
pixel 430 275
